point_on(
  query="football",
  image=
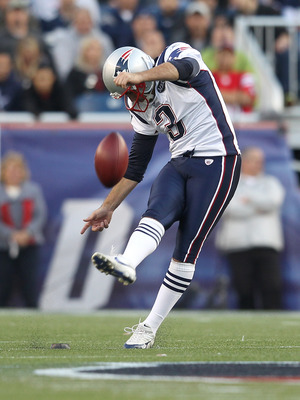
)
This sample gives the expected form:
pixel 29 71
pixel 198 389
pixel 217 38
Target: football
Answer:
pixel 111 159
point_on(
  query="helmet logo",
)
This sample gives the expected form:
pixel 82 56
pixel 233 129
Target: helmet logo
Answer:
pixel 122 64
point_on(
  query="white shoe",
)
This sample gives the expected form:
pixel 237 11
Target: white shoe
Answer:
pixel 112 266
pixel 142 337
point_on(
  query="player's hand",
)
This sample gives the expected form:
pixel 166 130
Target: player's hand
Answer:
pixel 98 220
pixel 126 79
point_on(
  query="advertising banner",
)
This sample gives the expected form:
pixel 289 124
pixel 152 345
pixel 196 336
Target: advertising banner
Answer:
pixel 61 160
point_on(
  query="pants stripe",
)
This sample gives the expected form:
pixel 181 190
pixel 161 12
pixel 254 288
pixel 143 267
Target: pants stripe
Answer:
pixel 212 211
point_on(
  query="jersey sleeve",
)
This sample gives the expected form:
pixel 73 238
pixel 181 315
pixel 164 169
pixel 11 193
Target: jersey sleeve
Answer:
pixel 187 68
pixel 139 157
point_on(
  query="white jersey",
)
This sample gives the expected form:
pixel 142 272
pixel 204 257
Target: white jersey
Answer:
pixel 191 113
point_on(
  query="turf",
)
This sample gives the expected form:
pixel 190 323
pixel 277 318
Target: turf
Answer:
pixel 26 338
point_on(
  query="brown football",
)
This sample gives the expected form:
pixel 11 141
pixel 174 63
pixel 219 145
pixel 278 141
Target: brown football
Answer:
pixel 111 159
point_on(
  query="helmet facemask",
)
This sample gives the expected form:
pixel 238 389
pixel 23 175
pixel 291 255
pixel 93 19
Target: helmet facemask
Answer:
pixel 142 95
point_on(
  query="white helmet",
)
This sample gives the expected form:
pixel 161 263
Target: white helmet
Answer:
pixel 129 59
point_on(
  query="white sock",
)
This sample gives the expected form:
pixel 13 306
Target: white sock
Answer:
pixel 142 242
pixel 176 281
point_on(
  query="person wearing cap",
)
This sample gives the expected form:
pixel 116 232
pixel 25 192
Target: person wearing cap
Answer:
pixel 197 23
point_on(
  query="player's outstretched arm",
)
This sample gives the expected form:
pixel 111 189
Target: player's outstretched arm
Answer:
pixel 100 218
pixel 163 72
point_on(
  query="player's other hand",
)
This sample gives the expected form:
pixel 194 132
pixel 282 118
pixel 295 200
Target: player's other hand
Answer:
pixel 98 220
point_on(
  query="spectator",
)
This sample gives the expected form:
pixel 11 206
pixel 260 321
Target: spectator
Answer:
pixel 142 23
pixel 237 87
pixel 197 22
pixel 282 41
pixel 93 7
pixel 22 218
pixel 17 25
pixel 216 7
pixel 55 14
pixel 222 32
pixel 29 55
pixel 86 75
pixel 10 87
pixel 46 94
pixel 65 51
pixel 170 20
pixel 250 235
pixel 117 20
pixel 153 43
pixel 34 23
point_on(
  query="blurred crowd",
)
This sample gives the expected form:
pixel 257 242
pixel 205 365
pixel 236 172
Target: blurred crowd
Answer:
pixel 52 52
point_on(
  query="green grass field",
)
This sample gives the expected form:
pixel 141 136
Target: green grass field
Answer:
pixel 26 337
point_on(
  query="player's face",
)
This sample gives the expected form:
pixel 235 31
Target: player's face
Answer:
pixel 132 96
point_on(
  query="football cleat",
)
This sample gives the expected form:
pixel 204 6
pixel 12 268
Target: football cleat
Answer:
pixel 142 337
pixel 112 266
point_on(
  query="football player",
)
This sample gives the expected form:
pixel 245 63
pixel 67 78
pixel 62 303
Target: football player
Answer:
pixel 176 96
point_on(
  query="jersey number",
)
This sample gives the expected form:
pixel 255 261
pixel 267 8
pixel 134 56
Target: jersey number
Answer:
pixel 164 113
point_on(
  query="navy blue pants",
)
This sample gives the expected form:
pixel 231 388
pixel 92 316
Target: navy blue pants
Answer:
pixel 256 277
pixel 23 271
pixel 194 191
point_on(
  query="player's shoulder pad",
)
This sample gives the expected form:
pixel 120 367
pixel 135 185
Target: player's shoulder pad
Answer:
pixel 179 50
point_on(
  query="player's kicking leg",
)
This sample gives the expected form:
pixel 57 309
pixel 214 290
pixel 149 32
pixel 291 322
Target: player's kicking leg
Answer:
pixel 115 267
pixel 142 335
